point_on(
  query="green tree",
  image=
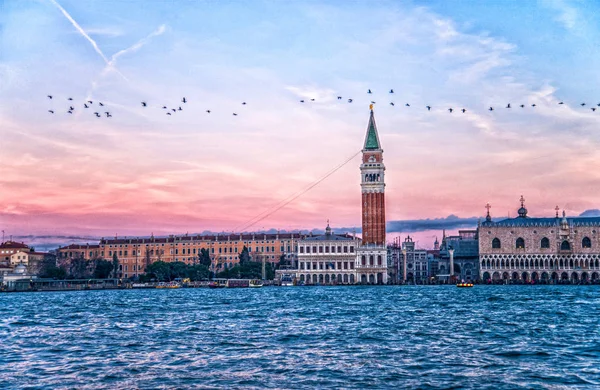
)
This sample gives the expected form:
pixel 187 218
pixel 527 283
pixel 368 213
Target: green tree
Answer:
pixel 178 269
pixel 198 272
pixel 79 268
pixel 204 257
pixel 54 272
pixel 283 260
pixel 159 270
pixel 103 269
pixel 244 256
pixel 115 264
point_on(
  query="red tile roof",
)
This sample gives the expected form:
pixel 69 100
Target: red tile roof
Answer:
pixel 13 245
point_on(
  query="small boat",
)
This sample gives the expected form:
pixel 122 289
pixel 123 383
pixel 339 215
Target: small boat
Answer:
pixel 255 283
pixel 168 285
pixel 464 285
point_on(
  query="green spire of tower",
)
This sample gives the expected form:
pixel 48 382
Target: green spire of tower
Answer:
pixel 372 139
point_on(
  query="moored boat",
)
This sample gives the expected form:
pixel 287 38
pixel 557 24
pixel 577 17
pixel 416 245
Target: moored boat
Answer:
pixel 463 285
pixel 255 283
pixel 168 285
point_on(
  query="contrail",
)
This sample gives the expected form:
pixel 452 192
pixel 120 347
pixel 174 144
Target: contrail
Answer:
pixel 113 59
pixel 81 31
pixel 84 34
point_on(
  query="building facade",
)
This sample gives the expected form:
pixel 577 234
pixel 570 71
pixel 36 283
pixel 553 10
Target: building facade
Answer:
pixel 459 257
pixel 135 254
pixel 372 263
pixel 9 248
pixel 327 259
pixel 540 250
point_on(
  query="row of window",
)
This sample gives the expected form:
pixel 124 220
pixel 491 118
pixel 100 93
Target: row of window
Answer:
pixel 544 243
pixel 193 243
pixel 326 249
pixel 327 265
pixel 363 260
pixel 540 263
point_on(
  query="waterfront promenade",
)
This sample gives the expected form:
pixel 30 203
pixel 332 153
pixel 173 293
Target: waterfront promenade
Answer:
pixel 327 337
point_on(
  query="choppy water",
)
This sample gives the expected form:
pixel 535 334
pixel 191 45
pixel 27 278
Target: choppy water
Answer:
pixel 352 337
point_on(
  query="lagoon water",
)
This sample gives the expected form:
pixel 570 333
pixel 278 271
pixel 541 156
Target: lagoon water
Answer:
pixel 303 337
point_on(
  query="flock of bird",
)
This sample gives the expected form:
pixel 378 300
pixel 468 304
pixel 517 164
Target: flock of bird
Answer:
pixel 170 111
pixel 89 103
pixel 86 104
pixel 451 109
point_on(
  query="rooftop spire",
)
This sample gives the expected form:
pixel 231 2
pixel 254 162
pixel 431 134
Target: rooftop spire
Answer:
pixel 372 138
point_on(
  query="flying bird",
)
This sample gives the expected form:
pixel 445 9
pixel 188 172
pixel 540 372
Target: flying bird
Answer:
pixel 174 110
pixel 243 103
pixel 464 110
pixel 339 98
pixel 593 108
pixel 180 108
pixel 70 112
pixel 70 99
pixel 561 103
pixel 491 109
pixel 71 108
pixel 407 105
pixel 391 103
pixel 234 114
pixel 98 115
pixel 100 103
pixel 164 107
pixel 301 101
pixel 144 104
pixel 582 104
pixel 522 105
pixel 391 91
pixel 85 105
pixel 349 100
pixel 184 100
pixel 168 113
pixel 312 100
pixel 208 111
pixel 91 102
pixel 51 112
pixel 508 105
pixel 369 91
pixel 49 96
pixel 372 102
pixel 450 110
pixel 598 104
pixel 533 105
pixel 428 108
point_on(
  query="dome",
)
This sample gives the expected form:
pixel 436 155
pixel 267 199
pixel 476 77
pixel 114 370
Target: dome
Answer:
pixel 20 269
pixel 522 212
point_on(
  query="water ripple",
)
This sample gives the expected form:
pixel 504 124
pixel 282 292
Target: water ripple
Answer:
pixel 351 337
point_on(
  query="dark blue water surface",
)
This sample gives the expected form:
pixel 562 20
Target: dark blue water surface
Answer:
pixel 303 337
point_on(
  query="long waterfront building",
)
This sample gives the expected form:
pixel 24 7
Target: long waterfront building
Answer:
pixel 135 254
pixel 556 249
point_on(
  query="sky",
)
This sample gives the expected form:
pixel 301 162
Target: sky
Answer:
pixel 142 171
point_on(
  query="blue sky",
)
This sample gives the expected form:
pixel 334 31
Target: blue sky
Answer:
pixel 142 170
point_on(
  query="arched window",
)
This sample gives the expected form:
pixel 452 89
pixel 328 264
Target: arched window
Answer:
pixel 364 260
pixel 378 259
pixel 565 246
pixel 496 243
pixel 586 242
pixel 371 260
pixel 520 244
pixel 545 243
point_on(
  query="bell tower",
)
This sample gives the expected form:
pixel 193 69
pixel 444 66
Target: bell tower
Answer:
pixel 372 254
pixel 372 187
